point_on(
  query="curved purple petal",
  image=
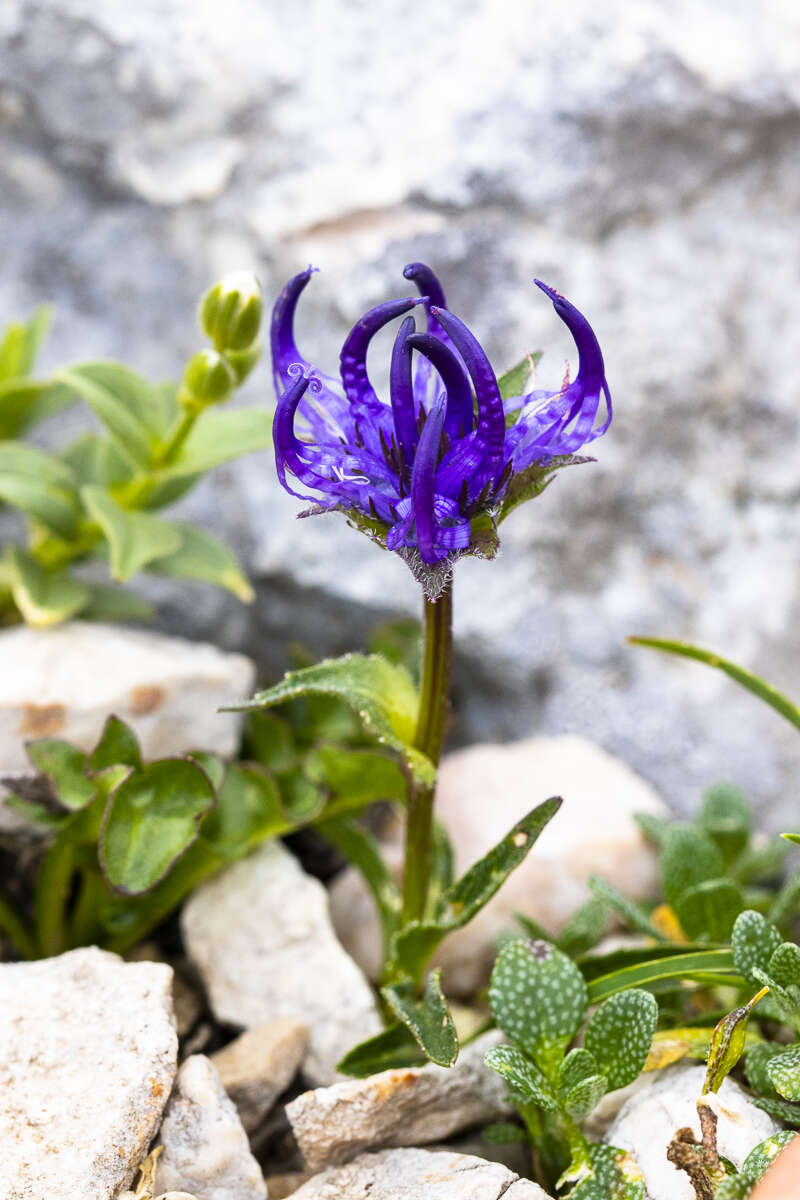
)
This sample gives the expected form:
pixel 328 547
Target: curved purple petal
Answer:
pixel 591 369
pixel 423 479
pixel 401 392
pixel 427 283
pixel 353 358
pixel 459 417
pixel 293 455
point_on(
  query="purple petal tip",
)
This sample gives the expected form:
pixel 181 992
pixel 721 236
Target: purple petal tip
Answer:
pixel 548 291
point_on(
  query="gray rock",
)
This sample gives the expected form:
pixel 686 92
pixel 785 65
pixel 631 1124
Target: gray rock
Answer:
pixel 205 1147
pixel 87 1059
pixel 408 1107
pixel 665 1103
pixel 481 792
pixel 261 937
pixel 419 1175
pixel 260 1064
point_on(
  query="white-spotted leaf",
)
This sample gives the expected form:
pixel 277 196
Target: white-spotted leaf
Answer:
pixel 620 1034
pixel 754 940
pixel 784 1073
pixel 538 998
pixel 523 1075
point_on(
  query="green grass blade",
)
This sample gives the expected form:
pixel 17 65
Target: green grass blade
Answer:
pixel 703 966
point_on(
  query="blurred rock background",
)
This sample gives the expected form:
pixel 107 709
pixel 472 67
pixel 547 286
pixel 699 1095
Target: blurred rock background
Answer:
pixel 641 155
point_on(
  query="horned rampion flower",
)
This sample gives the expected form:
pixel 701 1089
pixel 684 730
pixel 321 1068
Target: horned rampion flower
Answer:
pixel 432 472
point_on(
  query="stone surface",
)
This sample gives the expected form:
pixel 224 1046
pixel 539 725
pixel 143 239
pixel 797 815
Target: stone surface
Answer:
pixel 206 1151
pixel 648 1121
pixel 260 1064
pixel 419 1175
pixel 481 792
pixel 641 157
pixel 261 937
pixel 64 682
pixel 407 1107
pixel 87 1059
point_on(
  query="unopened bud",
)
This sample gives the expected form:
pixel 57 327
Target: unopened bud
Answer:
pixel 243 361
pixel 230 312
pixel 208 379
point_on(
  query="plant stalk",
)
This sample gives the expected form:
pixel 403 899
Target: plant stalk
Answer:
pixel 437 654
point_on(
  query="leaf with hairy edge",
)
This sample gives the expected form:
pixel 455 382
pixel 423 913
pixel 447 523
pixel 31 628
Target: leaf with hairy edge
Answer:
pixel 782 704
pixel 124 402
pixel 712 967
pixel 688 858
pixel 708 911
pixel 381 693
pixel 203 557
pixel 538 998
pixel 524 1076
pixel 632 913
pixel 784 1073
pixel 118 744
pixel 393 1047
pixel 63 764
pixel 428 1019
pixel 151 820
pixel 218 436
pixel 134 539
pixel 361 849
pixel 754 940
pixel 248 811
pixel 620 1034
pixel 414 945
pixel 534 479
pixel 43 597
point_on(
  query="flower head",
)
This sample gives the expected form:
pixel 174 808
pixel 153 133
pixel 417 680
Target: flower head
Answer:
pixel 430 472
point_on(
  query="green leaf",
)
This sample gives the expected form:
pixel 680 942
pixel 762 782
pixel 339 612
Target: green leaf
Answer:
pixel 110 602
pixel 202 556
pixel 134 539
pixel 40 486
pixel 704 966
pixel 428 1019
pixel 414 945
pixel 578 1065
pixel 381 693
pixel 96 459
pixel 63 764
pixel 21 342
pixel 784 966
pixel 727 1045
pixel 124 402
pixel 220 435
pixel 361 849
pixel 757 1059
pixel 585 1097
pixel 151 820
pixel 632 913
pixel 760 864
pixel 783 1110
pixel 620 1034
pixel 765 1153
pixel 708 911
pixel 523 1075
pixel 359 776
pixel 610 1174
pixel 303 800
pixel 688 858
pixel 118 744
pixel 514 381
pixel 214 767
pixel 503 1133
pixel 734 1187
pixel 585 928
pixel 754 940
pixel 758 687
pixel 784 1073
pixel 393 1047
pixel 726 817
pixel 272 741
pixel 248 811
pixel 786 905
pixel 531 482
pixel 37 814
pixel 654 828
pixel 538 998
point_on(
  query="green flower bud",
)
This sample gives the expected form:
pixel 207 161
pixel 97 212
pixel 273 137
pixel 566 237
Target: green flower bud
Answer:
pixel 208 379
pixel 243 361
pixel 230 312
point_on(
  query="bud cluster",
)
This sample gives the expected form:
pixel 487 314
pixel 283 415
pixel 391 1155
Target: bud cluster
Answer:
pixel 230 316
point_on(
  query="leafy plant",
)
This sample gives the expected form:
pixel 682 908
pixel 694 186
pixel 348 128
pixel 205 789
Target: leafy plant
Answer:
pixel 97 499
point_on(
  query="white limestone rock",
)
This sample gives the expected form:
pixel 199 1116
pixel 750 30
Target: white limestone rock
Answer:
pixel 261 937
pixel 419 1175
pixel 481 792
pixel 260 1064
pixel 88 1055
pixel 405 1107
pixel 206 1151
pixel 666 1102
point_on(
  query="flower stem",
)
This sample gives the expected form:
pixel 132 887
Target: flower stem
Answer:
pixel 437 652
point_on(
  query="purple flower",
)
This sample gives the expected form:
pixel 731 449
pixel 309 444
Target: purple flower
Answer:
pixel 430 473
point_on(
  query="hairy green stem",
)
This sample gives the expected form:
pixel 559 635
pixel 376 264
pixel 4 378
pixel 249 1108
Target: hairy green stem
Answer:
pixel 437 653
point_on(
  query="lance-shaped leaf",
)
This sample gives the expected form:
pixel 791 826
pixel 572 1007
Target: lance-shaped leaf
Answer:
pixel 43 597
pixel 150 821
pixel 40 486
pixel 708 911
pixel 414 945
pixel 688 858
pixel 218 436
pixel 524 1076
pixel 63 764
pixel 585 927
pixel 25 402
pixel 203 557
pixel 784 1073
pixel 754 940
pixel 428 1019
pixel 124 402
pixel 538 998
pixel 381 693
pixel 712 967
pixel 118 745
pixel 632 913
pixel 620 1034
pixel 727 1044
pixel 393 1047
pixel 134 539
pixel 361 849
